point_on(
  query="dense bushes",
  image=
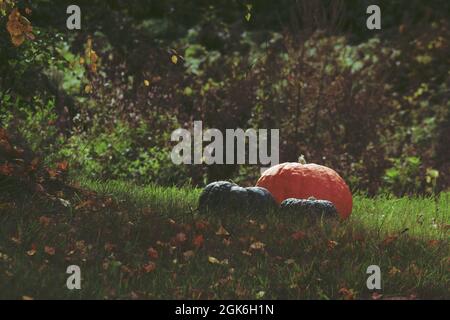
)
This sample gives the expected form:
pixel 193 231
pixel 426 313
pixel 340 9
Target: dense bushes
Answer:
pixel 373 106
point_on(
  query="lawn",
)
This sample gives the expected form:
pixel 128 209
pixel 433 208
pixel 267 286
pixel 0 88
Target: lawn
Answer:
pixel 134 242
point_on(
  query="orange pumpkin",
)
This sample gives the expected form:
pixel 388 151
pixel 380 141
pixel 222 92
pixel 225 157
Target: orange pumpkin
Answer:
pixel 296 180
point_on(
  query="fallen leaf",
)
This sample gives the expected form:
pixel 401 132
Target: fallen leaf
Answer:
pixel 32 251
pixel 149 267
pixel 376 296
pixel 240 291
pixel 331 244
pixel 198 241
pixel 109 247
pixel 45 221
pixel 126 269
pixel 213 260
pixel 34 164
pixel 299 235
pixel 49 250
pixel 348 294
pixel 180 237
pixel 201 225
pixel 222 232
pixel 16 240
pixel 188 254
pixel 290 261
pixel 389 240
pixel 257 246
pixel 134 295
pixel 152 253
pixel 62 166
pixel 64 202
pixel 433 243
pixel 393 271
pixel 85 204
pixel 6 169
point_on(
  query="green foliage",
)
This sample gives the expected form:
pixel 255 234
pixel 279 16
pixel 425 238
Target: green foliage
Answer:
pixel 115 153
pixel 344 97
pixel 407 176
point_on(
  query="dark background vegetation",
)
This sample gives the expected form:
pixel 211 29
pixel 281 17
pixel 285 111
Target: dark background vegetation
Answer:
pixel 374 105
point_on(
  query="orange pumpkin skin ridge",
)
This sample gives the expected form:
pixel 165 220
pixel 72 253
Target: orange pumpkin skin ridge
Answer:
pixel 295 180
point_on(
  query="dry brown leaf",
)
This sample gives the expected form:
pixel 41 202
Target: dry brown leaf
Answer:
pixel 49 250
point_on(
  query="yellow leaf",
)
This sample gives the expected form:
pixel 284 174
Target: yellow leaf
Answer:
pixel 393 271
pixel 257 246
pixel 213 260
pixel 174 59
pixel 146 83
pixel 88 89
pixel 93 56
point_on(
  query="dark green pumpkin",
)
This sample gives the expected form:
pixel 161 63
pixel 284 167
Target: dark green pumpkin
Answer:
pixel 224 196
pixel 309 207
pixel 260 200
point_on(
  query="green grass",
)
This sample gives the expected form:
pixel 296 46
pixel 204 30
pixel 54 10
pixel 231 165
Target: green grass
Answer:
pixel 268 257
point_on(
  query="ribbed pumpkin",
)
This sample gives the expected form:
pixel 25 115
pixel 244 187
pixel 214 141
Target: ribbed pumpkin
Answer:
pixel 301 181
pixel 310 207
pixel 224 196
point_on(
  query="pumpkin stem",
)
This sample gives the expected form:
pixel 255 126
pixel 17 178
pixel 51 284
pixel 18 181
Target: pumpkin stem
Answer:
pixel 302 159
